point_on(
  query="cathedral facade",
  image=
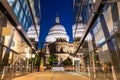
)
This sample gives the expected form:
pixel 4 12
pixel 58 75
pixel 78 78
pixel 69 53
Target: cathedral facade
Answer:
pixel 57 42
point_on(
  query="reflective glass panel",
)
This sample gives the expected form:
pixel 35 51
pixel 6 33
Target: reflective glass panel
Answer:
pixel 16 9
pixel 21 15
pixel 10 2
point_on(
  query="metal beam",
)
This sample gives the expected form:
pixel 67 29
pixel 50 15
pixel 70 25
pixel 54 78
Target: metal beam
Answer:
pixel 33 20
pixel 9 14
pixel 97 10
pixel 78 15
pixel 110 1
pixel 10 49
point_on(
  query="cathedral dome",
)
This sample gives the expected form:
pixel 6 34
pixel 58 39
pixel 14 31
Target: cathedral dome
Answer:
pixel 57 28
pixel 57 31
pixel 79 30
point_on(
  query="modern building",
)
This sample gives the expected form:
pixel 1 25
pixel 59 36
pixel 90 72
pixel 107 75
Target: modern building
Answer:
pixel 102 22
pixel 16 17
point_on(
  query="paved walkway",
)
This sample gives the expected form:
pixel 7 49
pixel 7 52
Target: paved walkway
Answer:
pixel 51 76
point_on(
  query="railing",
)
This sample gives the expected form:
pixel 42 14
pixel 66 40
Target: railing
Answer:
pixel 12 72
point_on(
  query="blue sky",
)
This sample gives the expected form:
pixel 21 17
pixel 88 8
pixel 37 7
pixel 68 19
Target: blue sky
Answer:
pixel 49 9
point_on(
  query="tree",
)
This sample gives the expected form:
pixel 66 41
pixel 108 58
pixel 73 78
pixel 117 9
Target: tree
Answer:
pixel 52 59
pixel 67 62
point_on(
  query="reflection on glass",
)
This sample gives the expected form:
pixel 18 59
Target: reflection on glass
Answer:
pixel 16 9
pixel 24 4
pixel 24 20
pixel 26 26
pixel 11 2
pixel 98 34
pixel 21 15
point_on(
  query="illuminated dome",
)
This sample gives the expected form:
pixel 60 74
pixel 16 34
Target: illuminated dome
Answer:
pixel 57 31
pixel 79 30
pixel 57 28
pixel 89 37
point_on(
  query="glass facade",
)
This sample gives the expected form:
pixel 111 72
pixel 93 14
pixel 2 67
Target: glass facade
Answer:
pixel 11 2
pixel 15 44
pixel 22 12
pixel 21 16
pixel 106 50
pixel 17 8
pixel 98 34
pixel 109 21
pixel 103 59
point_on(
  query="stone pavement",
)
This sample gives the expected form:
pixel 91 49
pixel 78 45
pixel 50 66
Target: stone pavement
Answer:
pixel 51 76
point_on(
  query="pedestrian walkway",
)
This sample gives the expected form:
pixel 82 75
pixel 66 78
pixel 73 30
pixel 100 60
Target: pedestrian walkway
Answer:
pixel 51 76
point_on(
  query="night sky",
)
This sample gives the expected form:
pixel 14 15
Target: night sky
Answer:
pixel 49 9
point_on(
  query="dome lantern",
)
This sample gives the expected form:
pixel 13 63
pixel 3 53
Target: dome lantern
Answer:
pixel 57 20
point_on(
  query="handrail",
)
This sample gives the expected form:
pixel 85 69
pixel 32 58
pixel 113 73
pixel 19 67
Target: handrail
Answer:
pixel 10 49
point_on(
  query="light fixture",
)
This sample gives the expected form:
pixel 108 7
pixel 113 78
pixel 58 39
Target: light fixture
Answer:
pixel 36 52
pixel 32 47
pixel 27 55
pixel 19 27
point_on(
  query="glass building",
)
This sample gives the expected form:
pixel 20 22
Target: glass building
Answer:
pixel 22 12
pixel 16 17
pixel 102 20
